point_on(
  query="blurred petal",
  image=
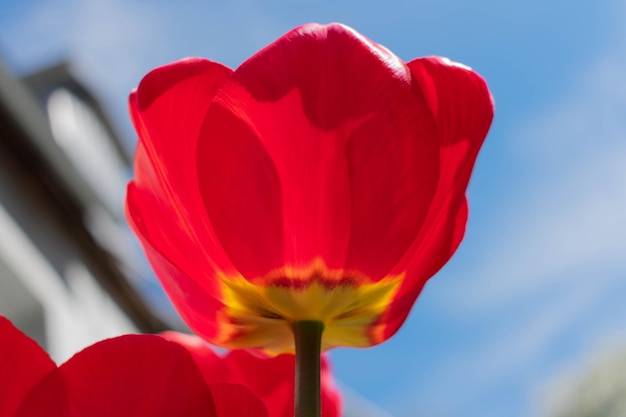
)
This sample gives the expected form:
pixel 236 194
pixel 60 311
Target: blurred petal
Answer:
pixel 134 376
pixel 213 368
pixel 234 400
pixel 269 378
pixel 23 364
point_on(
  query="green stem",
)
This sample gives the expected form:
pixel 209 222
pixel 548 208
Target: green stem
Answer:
pixel 308 339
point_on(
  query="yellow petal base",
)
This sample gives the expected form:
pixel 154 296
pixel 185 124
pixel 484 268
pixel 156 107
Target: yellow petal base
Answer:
pixel 259 314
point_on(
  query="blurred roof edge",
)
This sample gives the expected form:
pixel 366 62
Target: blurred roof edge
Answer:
pixel 61 74
pixel 48 179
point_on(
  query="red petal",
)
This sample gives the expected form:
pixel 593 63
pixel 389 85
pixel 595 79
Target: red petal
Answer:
pixel 213 368
pixel 194 296
pixel 168 109
pixel 234 400
pixel 241 192
pixel 317 147
pixel 444 239
pixel 23 364
pixel 463 108
pixel 340 74
pixel 271 379
pixel 393 169
pixel 134 376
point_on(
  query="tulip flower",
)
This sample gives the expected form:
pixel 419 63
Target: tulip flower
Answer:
pixel 270 379
pixel 134 375
pixel 302 201
pixel 323 180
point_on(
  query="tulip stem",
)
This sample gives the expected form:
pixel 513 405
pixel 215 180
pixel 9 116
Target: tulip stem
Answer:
pixel 308 340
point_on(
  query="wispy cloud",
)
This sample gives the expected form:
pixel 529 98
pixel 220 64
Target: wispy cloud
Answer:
pixel 546 289
pixel 113 44
pixel 552 271
pixel 568 219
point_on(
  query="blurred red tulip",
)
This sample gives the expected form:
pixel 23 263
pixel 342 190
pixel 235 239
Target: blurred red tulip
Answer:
pixel 23 364
pixel 324 179
pixel 134 376
pixel 270 379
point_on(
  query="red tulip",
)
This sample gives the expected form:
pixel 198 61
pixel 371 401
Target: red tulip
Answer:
pixel 271 379
pixel 324 179
pixel 134 376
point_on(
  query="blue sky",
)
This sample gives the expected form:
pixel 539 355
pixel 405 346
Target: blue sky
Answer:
pixel 536 290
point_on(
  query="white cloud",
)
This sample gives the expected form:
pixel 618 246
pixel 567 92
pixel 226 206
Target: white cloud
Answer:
pixel 551 277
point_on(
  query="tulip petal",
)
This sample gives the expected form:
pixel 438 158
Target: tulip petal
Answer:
pixel 342 155
pixel 195 299
pixel 134 376
pixel 393 170
pixel 241 192
pixel 444 239
pixel 463 108
pixel 340 74
pixel 23 364
pixel 168 109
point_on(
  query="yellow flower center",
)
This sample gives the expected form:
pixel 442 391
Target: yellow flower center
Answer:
pixel 259 314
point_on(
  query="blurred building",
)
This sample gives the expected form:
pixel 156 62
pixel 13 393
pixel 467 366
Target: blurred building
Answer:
pixel 66 256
